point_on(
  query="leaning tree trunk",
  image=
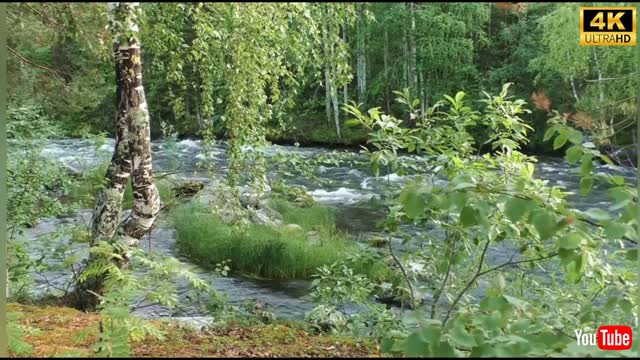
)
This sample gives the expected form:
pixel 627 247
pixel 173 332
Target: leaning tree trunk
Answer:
pixel 132 153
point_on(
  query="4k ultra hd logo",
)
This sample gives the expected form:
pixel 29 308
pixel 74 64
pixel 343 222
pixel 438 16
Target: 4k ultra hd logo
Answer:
pixel 608 26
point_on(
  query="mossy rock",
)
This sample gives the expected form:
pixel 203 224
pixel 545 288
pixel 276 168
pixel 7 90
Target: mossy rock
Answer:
pixel 326 319
pixel 297 195
pixel 188 188
pixel 378 241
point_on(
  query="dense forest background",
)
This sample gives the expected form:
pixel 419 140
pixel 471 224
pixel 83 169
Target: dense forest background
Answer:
pixel 60 65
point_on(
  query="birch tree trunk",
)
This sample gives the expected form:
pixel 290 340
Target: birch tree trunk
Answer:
pixel 601 92
pixel 132 153
pixel 334 98
pixel 327 79
pixel 362 70
pixel 573 87
pixel 345 90
pixel 386 68
pixel 413 76
pixel 106 215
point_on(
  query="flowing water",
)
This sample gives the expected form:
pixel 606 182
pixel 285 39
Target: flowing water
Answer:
pixel 348 192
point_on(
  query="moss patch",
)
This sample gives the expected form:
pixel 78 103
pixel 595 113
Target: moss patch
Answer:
pixel 53 331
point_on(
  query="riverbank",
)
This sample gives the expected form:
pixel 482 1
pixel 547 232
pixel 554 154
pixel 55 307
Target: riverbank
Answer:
pixel 51 331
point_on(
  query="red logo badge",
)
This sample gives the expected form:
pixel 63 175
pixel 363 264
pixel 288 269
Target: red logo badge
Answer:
pixel 615 337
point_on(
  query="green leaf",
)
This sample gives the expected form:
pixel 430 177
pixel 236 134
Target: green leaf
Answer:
pixel 468 216
pixel 549 133
pixel 614 230
pixel 412 201
pixel 626 305
pixel 461 337
pixel 495 303
pixel 631 255
pixel 519 304
pixel 586 184
pixel 570 241
pixel 587 165
pixel 516 208
pixel 598 214
pixel 575 136
pixel 560 140
pixel 415 346
pixel 544 223
pixel 442 350
pixel 606 159
pixel 618 180
pixel 573 154
pixel 352 123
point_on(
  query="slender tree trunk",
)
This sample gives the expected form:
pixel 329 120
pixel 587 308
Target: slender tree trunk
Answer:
pixel 386 67
pixel 334 91
pixel 573 87
pixel 413 76
pixel 327 95
pixel 327 80
pixel 132 153
pixel 336 110
pixel 601 89
pixel 345 88
pixel 599 71
pixel 405 59
pixel 362 62
pixel 422 93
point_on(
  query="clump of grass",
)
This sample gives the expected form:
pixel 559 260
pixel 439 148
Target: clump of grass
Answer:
pixel 261 250
pixel 314 217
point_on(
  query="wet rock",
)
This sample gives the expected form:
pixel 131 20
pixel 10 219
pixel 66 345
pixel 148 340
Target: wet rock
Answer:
pixel 378 241
pixel 266 216
pixel 313 238
pixel 195 323
pixel 216 196
pixel 401 298
pixel 292 228
pixel 324 318
pixel 188 188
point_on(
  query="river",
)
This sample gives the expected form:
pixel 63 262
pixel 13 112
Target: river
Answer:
pixel 348 192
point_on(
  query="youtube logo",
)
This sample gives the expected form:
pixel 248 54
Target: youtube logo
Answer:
pixel 615 337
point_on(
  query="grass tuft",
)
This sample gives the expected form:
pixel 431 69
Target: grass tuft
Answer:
pixel 261 250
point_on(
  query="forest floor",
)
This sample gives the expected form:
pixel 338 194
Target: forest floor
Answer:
pixel 60 331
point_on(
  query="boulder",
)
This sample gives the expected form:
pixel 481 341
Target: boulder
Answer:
pixel 324 318
pixel 313 238
pixel 216 196
pixel 195 323
pixel 188 188
pixel 378 241
pixel 266 216
pixel 292 228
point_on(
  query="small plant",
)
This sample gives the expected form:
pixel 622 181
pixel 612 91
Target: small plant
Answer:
pixel 170 136
pixel 17 345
